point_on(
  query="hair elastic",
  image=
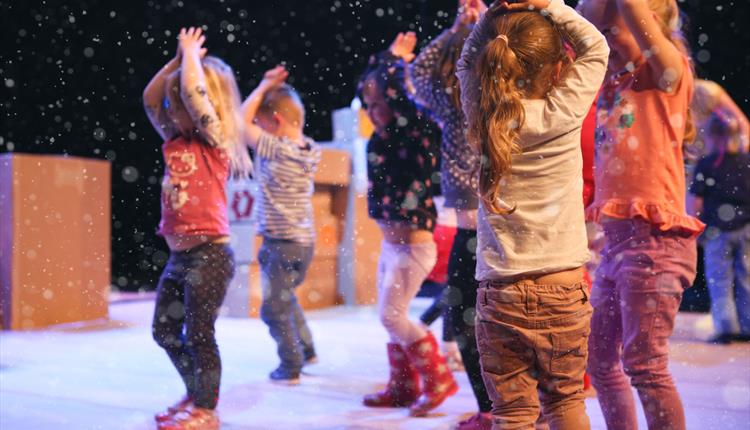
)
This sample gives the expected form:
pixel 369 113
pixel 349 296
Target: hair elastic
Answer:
pixel 504 37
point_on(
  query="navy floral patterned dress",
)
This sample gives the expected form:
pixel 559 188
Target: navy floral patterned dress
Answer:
pixel 403 161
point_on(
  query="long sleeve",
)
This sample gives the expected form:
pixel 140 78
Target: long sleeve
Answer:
pixel 194 95
pixel 571 98
pixel 424 71
pixel 470 87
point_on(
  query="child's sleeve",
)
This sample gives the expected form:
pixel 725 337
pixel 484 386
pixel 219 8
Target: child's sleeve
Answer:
pixel 423 72
pixel 571 98
pixel 315 155
pixel 268 146
pixel 464 67
pixel 161 122
pixel 203 114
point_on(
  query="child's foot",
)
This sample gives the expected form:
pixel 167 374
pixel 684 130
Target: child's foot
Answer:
pixel 284 377
pixel 311 357
pixel 478 421
pixel 192 419
pixel 166 415
pixel 721 339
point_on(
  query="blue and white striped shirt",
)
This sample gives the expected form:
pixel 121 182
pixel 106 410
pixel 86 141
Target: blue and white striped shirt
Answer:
pixel 286 171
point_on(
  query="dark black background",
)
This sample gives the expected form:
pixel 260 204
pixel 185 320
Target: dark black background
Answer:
pixel 72 74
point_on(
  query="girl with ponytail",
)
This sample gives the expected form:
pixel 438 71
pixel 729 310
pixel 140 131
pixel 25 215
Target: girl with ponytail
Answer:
pixel 525 102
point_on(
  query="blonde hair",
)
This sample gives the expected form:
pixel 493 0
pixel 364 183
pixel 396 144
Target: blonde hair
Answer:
pixel 285 101
pixel 509 69
pixel 670 23
pixel 224 95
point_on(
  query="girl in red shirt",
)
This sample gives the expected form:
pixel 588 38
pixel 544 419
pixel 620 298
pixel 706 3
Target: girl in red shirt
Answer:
pixel 193 103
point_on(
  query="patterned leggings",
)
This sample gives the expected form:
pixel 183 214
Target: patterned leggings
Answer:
pixel 191 290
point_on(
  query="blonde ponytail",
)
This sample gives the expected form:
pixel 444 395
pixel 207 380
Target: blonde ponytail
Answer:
pixel 510 67
pixel 498 117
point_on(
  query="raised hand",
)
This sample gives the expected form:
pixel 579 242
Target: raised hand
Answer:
pixel 467 15
pixel 274 77
pixel 191 40
pixel 403 46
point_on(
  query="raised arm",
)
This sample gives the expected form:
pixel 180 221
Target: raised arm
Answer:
pixel 426 73
pixel 465 66
pixel 193 88
pixel 582 80
pixel 728 106
pixel 665 60
pixel 424 69
pixel 250 106
pixel 571 98
pixel 153 99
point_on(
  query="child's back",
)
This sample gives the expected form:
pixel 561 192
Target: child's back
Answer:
pixel 640 130
pixel 546 231
pixel 287 161
pixel 286 172
pixel 525 114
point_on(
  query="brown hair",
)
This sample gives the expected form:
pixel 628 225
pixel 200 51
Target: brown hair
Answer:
pixel 513 65
pixel 285 101
pixel 670 22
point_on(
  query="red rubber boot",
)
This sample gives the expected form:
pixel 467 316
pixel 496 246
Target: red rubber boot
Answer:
pixel 403 385
pixel 437 377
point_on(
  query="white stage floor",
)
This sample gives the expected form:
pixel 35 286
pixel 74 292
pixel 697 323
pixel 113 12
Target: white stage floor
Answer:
pixel 113 376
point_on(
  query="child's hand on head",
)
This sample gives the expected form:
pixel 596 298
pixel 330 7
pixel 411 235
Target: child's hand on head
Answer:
pixel 524 5
pixel 274 77
pixel 192 40
pixel 403 46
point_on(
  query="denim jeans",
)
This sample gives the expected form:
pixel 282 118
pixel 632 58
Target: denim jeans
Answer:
pixel 190 292
pixel 727 258
pixel 532 342
pixel 636 296
pixel 283 265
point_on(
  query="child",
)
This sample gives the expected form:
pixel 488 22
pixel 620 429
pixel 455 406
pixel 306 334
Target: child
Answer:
pixel 722 189
pixel 401 164
pixel 287 161
pixel 433 73
pixel 193 103
pixel 525 106
pixel 649 256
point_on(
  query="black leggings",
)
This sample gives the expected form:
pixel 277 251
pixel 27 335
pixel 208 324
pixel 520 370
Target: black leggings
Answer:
pixel 437 309
pixel 191 290
pixel 461 298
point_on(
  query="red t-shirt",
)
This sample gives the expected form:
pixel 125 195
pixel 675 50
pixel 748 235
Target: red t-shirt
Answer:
pixel 193 197
pixel 588 129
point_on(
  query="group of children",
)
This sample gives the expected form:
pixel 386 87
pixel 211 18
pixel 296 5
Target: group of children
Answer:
pixel 489 115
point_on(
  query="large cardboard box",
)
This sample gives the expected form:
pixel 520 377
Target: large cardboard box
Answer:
pixel 54 240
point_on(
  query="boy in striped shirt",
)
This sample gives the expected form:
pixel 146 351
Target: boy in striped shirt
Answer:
pixel 286 161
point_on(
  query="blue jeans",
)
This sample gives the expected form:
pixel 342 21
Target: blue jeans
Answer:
pixel 727 261
pixel 283 265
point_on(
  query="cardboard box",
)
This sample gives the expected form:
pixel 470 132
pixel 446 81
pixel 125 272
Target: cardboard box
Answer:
pixel 55 255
